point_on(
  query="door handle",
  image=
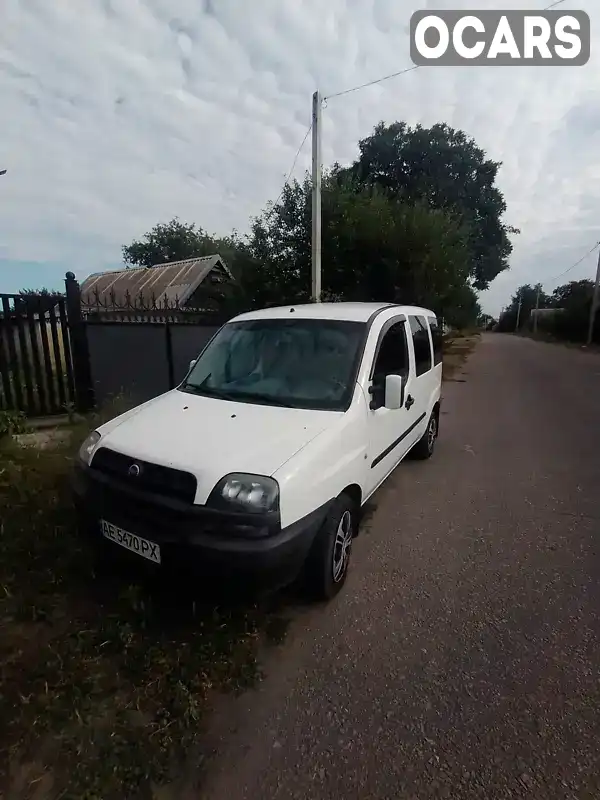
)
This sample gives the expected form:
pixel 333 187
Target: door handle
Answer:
pixel 409 401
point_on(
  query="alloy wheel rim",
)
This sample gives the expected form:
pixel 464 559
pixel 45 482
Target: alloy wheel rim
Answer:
pixel 431 433
pixel 342 546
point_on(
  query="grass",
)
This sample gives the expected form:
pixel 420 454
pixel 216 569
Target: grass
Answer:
pixel 457 348
pixel 103 682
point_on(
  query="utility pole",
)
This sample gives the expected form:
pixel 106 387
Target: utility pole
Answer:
pixel 595 302
pixel 316 197
pixel 537 308
pixel 518 313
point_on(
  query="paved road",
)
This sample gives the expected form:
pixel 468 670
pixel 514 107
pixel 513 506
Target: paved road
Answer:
pixel 463 658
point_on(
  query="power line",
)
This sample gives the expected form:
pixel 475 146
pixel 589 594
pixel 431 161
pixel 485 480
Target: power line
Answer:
pixel 576 264
pixel 372 83
pixel 289 175
pixel 402 71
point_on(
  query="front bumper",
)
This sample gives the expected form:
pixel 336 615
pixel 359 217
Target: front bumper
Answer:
pixel 206 543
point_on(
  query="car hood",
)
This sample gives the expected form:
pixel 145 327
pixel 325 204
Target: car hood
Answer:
pixel 211 438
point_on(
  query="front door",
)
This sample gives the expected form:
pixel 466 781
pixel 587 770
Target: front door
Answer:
pixel 392 431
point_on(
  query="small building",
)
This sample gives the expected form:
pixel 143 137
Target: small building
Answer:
pixel 542 315
pixel 193 283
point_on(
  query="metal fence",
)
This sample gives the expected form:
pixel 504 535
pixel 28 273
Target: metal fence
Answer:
pixel 36 368
pixel 62 352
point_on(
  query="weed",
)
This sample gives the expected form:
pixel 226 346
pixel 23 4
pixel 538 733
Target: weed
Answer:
pixel 12 422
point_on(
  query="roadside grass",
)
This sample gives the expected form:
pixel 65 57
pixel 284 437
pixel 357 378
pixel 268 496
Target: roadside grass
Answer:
pixel 548 338
pixel 103 682
pixel 457 348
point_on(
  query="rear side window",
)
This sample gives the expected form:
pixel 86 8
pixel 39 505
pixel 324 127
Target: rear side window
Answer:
pixel 420 336
pixel 437 337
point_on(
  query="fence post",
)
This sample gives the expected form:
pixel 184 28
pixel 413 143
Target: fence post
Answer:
pixel 82 373
pixel 169 353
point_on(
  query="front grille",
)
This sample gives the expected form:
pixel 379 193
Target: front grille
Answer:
pixel 168 482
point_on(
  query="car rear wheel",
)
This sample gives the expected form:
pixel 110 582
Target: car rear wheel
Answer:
pixel 329 559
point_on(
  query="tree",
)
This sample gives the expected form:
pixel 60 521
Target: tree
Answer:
pixel 527 296
pixel 175 241
pixel 374 248
pixel 573 295
pixel 486 321
pixel 573 302
pixel 446 170
pixel 416 220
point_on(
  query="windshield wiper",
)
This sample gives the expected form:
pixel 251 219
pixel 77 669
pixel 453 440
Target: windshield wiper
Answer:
pixel 208 392
pixel 264 398
pixel 239 396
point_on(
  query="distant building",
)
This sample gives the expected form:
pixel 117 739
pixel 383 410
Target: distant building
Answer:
pixel 176 284
pixel 542 315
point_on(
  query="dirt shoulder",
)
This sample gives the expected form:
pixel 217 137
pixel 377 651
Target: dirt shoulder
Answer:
pixel 457 349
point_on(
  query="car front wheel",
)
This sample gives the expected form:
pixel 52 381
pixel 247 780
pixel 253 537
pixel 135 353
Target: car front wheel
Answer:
pixel 329 559
pixel 424 448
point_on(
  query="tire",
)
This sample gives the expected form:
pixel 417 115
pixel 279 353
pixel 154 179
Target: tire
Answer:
pixel 327 564
pixel 424 448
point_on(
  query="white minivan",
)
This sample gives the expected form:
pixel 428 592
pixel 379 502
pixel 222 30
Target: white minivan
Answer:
pixel 256 467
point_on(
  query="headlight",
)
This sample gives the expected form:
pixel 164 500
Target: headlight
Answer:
pixel 250 493
pixel 86 450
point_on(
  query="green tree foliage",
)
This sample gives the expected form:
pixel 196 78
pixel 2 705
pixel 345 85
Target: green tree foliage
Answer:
pixel 486 321
pixel 445 169
pixel 374 248
pixel 575 295
pixel 175 241
pixel 572 302
pixel 527 296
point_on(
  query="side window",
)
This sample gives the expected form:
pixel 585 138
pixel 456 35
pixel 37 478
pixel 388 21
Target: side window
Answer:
pixel 420 335
pixel 392 357
pixel 437 337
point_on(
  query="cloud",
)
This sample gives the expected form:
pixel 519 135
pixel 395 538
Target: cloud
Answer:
pixel 117 114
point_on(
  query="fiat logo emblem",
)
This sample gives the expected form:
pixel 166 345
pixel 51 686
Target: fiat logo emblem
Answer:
pixel 134 471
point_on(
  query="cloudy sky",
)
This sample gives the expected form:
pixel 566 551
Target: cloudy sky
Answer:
pixel 117 114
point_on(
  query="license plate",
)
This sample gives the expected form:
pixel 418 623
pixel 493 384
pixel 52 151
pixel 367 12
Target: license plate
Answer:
pixel 131 541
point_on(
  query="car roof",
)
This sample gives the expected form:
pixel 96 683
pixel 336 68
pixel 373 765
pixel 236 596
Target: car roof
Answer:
pixel 355 312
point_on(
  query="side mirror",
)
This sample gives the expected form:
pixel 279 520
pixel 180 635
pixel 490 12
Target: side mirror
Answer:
pixel 193 363
pixel 394 392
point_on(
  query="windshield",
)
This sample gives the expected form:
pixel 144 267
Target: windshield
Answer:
pixel 302 363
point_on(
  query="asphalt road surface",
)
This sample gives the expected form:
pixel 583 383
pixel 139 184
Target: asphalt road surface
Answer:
pixel 462 659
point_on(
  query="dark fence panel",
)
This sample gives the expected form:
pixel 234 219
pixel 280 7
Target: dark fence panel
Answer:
pixel 127 359
pixel 187 341
pixel 141 360
pixel 140 346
